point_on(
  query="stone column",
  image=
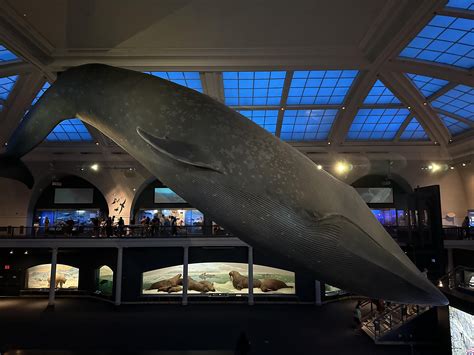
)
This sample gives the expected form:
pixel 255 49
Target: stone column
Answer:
pixel 317 290
pixel 118 277
pixel 185 275
pixel 250 276
pixel 52 277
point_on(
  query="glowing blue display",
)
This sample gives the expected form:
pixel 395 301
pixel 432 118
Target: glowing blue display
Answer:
pixel 72 130
pixel 191 80
pixel 454 126
pixel 253 88
pixel 40 93
pixel 264 118
pixel 459 101
pixel 302 125
pixel 427 85
pixel 379 94
pixel 414 131
pixel 6 55
pixel 461 4
pixel 320 87
pixel 447 40
pixel 6 85
pixel 377 124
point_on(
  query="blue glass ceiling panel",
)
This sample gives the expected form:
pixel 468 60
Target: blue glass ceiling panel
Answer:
pixel 253 88
pixel 6 55
pixel 320 87
pixel 461 4
pixel 6 85
pixel 377 124
pixel 447 40
pixel 302 125
pixel 40 93
pixel 454 126
pixel 414 132
pixel 72 130
pixel 379 94
pixel 459 101
pixel 264 118
pixel 427 85
pixel 191 80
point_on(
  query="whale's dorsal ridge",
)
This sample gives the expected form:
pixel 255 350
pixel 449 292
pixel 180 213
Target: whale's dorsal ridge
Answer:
pixel 183 152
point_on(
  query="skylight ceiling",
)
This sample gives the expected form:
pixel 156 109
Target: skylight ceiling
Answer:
pixel 319 87
pixel 191 80
pixel 72 130
pixel 253 88
pixel 377 124
pixel 458 101
pixel 6 55
pixel 264 118
pixel 427 85
pixel 454 126
pixel 380 94
pixel 6 86
pixel 304 125
pixel 40 93
pixel 461 4
pixel 448 40
pixel 414 131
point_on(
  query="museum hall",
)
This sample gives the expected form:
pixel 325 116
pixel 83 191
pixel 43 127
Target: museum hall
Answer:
pixel 183 177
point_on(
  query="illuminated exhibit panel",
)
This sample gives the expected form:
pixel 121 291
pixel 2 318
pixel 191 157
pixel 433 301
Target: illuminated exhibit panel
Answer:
pixel 105 281
pixel 386 216
pixel 184 217
pixel 67 277
pixel 462 331
pixel 218 278
pixel 330 291
pixel 58 218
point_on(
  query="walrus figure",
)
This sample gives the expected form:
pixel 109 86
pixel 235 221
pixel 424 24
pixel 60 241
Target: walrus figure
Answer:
pixel 239 281
pixel 165 285
pixel 272 285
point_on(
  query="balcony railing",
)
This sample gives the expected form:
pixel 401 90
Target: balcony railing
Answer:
pixel 126 231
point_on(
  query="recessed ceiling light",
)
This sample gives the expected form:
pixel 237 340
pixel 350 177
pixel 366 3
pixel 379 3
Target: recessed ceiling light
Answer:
pixel 96 143
pixel 343 107
pixel 329 143
pixel 319 167
pixel 11 251
pixel 95 167
pixel 463 164
pixel 409 107
pixel 451 167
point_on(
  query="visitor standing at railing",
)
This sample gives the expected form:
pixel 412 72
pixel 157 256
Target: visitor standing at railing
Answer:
pixel 466 228
pixel 46 225
pixel 120 224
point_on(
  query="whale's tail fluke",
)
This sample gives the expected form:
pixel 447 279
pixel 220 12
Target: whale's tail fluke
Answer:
pixel 14 168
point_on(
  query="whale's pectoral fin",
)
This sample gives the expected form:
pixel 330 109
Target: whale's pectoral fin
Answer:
pixel 183 152
pixel 14 168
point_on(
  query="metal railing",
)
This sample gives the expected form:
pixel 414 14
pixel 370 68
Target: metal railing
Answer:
pixel 126 231
pixel 379 324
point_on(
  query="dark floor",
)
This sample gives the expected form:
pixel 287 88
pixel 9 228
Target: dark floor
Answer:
pixel 87 326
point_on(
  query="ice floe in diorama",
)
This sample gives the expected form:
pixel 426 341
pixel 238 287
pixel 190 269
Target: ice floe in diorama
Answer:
pixel 105 281
pixel 218 278
pixel 67 277
pixel 462 331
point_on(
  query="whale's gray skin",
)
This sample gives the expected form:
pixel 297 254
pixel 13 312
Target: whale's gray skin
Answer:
pixel 252 183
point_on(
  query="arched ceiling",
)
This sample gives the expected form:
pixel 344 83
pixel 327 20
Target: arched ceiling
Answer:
pixel 331 75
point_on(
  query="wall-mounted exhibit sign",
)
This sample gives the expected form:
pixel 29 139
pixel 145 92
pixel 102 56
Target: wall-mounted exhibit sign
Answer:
pixel 70 195
pixel 218 278
pixel 376 194
pixel 166 195
pixel 462 331
pixel 37 277
pixel 105 281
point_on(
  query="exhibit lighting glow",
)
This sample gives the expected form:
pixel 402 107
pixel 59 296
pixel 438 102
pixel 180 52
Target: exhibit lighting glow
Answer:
pixel 95 167
pixel 11 251
pixel 440 283
pixel 319 167
pixel 342 167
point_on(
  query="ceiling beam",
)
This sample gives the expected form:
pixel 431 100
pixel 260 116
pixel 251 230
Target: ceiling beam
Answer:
pixel 441 71
pixel 402 127
pixel 284 98
pixel 212 85
pixel 455 12
pixel 19 100
pixel 22 38
pixel 15 68
pixel 404 89
pixel 456 117
pixel 441 91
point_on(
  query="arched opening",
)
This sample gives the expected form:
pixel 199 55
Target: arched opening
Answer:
pixel 66 204
pixel 104 281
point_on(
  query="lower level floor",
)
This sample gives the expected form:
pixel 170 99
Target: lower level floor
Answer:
pixel 93 326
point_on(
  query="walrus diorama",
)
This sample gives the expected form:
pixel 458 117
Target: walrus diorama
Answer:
pixel 239 281
pixel 200 286
pixel 166 285
pixel 60 280
pixel 217 160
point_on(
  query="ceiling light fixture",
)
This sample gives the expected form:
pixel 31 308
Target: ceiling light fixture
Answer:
pixel 95 167
pixel 11 251
pixel 96 143
pixel 319 167
pixel 342 167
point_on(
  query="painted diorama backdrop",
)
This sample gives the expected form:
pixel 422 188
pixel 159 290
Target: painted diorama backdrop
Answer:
pixel 215 278
pixel 105 281
pixel 67 277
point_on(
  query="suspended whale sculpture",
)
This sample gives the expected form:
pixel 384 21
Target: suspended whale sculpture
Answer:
pixel 252 183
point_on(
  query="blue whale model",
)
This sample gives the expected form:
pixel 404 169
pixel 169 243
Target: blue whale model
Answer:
pixel 252 183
